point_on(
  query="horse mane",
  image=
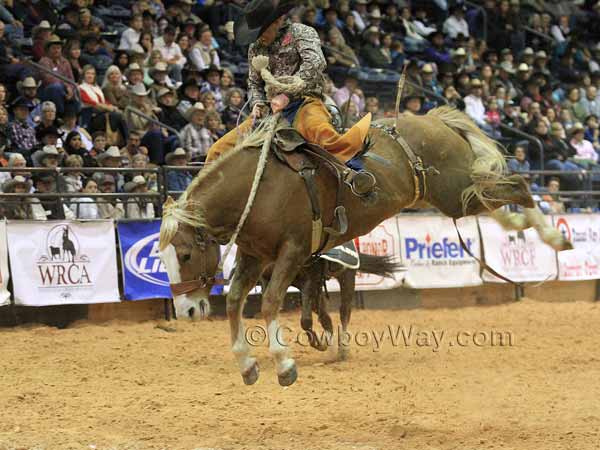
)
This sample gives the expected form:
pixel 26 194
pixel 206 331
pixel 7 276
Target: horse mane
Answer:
pixel 190 212
pixel 489 167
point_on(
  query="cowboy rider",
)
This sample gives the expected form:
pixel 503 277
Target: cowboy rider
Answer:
pixel 292 49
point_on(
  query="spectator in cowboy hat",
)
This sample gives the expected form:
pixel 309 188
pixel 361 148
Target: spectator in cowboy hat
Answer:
pixel 413 103
pixel 28 88
pixel 110 158
pixel 138 207
pixel 185 12
pixel 47 135
pixel 134 75
pixel 429 79
pixel 188 94
pixel 361 14
pixel 109 208
pixel 48 157
pixel 474 106
pixel 41 33
pixel 195 137
pixel 160 79
pixel 49 208
pixel 372 53
pixel 169 114
pixel 212 75
pixel 178 181
pixel 17 185
pixel 437 52
pixel 21 133
pixel 54 89
pixel 138 99
pixel 541 62
pixel 18 209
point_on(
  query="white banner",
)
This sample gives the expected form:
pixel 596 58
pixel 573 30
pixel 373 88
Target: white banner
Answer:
pixel 581 263
pixel 4 274
pixel 383 240
pixel 520 256
pixel 60 263
pixel 432 253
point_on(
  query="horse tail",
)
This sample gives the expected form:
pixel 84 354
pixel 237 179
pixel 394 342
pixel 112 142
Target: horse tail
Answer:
pixel 489 167
pixel 384 266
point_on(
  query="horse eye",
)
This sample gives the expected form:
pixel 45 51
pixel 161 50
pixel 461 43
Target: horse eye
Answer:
pixel 186 258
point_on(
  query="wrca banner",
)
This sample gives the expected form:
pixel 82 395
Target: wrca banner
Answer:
pixel 60 263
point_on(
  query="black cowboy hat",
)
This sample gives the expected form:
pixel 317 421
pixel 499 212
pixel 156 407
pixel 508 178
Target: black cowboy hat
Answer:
pixel 211 68
pixel 411 95
pixel 258 16
pixel 40 132
pixel 20 102
pixel 187 83
pixel 434 34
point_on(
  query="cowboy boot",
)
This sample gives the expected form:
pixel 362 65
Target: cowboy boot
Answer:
pixel 360 181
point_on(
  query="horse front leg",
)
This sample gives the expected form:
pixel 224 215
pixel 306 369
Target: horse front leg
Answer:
pixel 285 270
pixel 347 280
pixel 246 275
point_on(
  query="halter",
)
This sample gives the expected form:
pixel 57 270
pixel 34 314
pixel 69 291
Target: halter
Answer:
pixel 187 287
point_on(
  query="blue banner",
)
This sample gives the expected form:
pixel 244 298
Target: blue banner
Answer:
pixel 144 275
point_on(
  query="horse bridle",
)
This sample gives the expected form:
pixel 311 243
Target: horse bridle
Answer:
pixel 204 280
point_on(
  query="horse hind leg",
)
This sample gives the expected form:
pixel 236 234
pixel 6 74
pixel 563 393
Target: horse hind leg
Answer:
pixel 532 217
pixel 484 197
pixel 285 270
pixel 347 282
pixel 310 289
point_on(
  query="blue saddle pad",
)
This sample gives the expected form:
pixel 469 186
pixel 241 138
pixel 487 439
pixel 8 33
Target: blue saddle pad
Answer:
pixel 345 254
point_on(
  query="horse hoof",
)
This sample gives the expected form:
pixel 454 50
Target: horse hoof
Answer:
pixel 288 377
pixel 250 376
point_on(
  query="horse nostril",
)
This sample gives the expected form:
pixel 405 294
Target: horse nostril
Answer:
pixel 191 312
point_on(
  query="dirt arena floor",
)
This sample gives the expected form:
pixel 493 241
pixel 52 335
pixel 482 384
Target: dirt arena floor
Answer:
pixel 123 385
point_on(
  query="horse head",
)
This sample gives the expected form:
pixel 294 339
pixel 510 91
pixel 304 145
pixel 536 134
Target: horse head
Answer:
pixel 191 258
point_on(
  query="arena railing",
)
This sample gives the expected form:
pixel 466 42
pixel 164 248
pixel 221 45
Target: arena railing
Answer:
pixel 544 36
pixel 62 198
pixel 586 196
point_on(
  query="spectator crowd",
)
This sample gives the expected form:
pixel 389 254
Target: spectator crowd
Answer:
pixel 140 84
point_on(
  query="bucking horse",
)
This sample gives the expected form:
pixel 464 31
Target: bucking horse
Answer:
pixel 441 159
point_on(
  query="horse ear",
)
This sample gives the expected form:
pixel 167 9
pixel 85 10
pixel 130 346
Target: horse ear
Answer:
pixel 169 201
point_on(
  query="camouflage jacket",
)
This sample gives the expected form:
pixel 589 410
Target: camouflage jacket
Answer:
pixel 295 51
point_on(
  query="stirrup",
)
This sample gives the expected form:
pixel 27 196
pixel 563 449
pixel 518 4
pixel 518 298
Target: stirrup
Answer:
pixel 361 183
